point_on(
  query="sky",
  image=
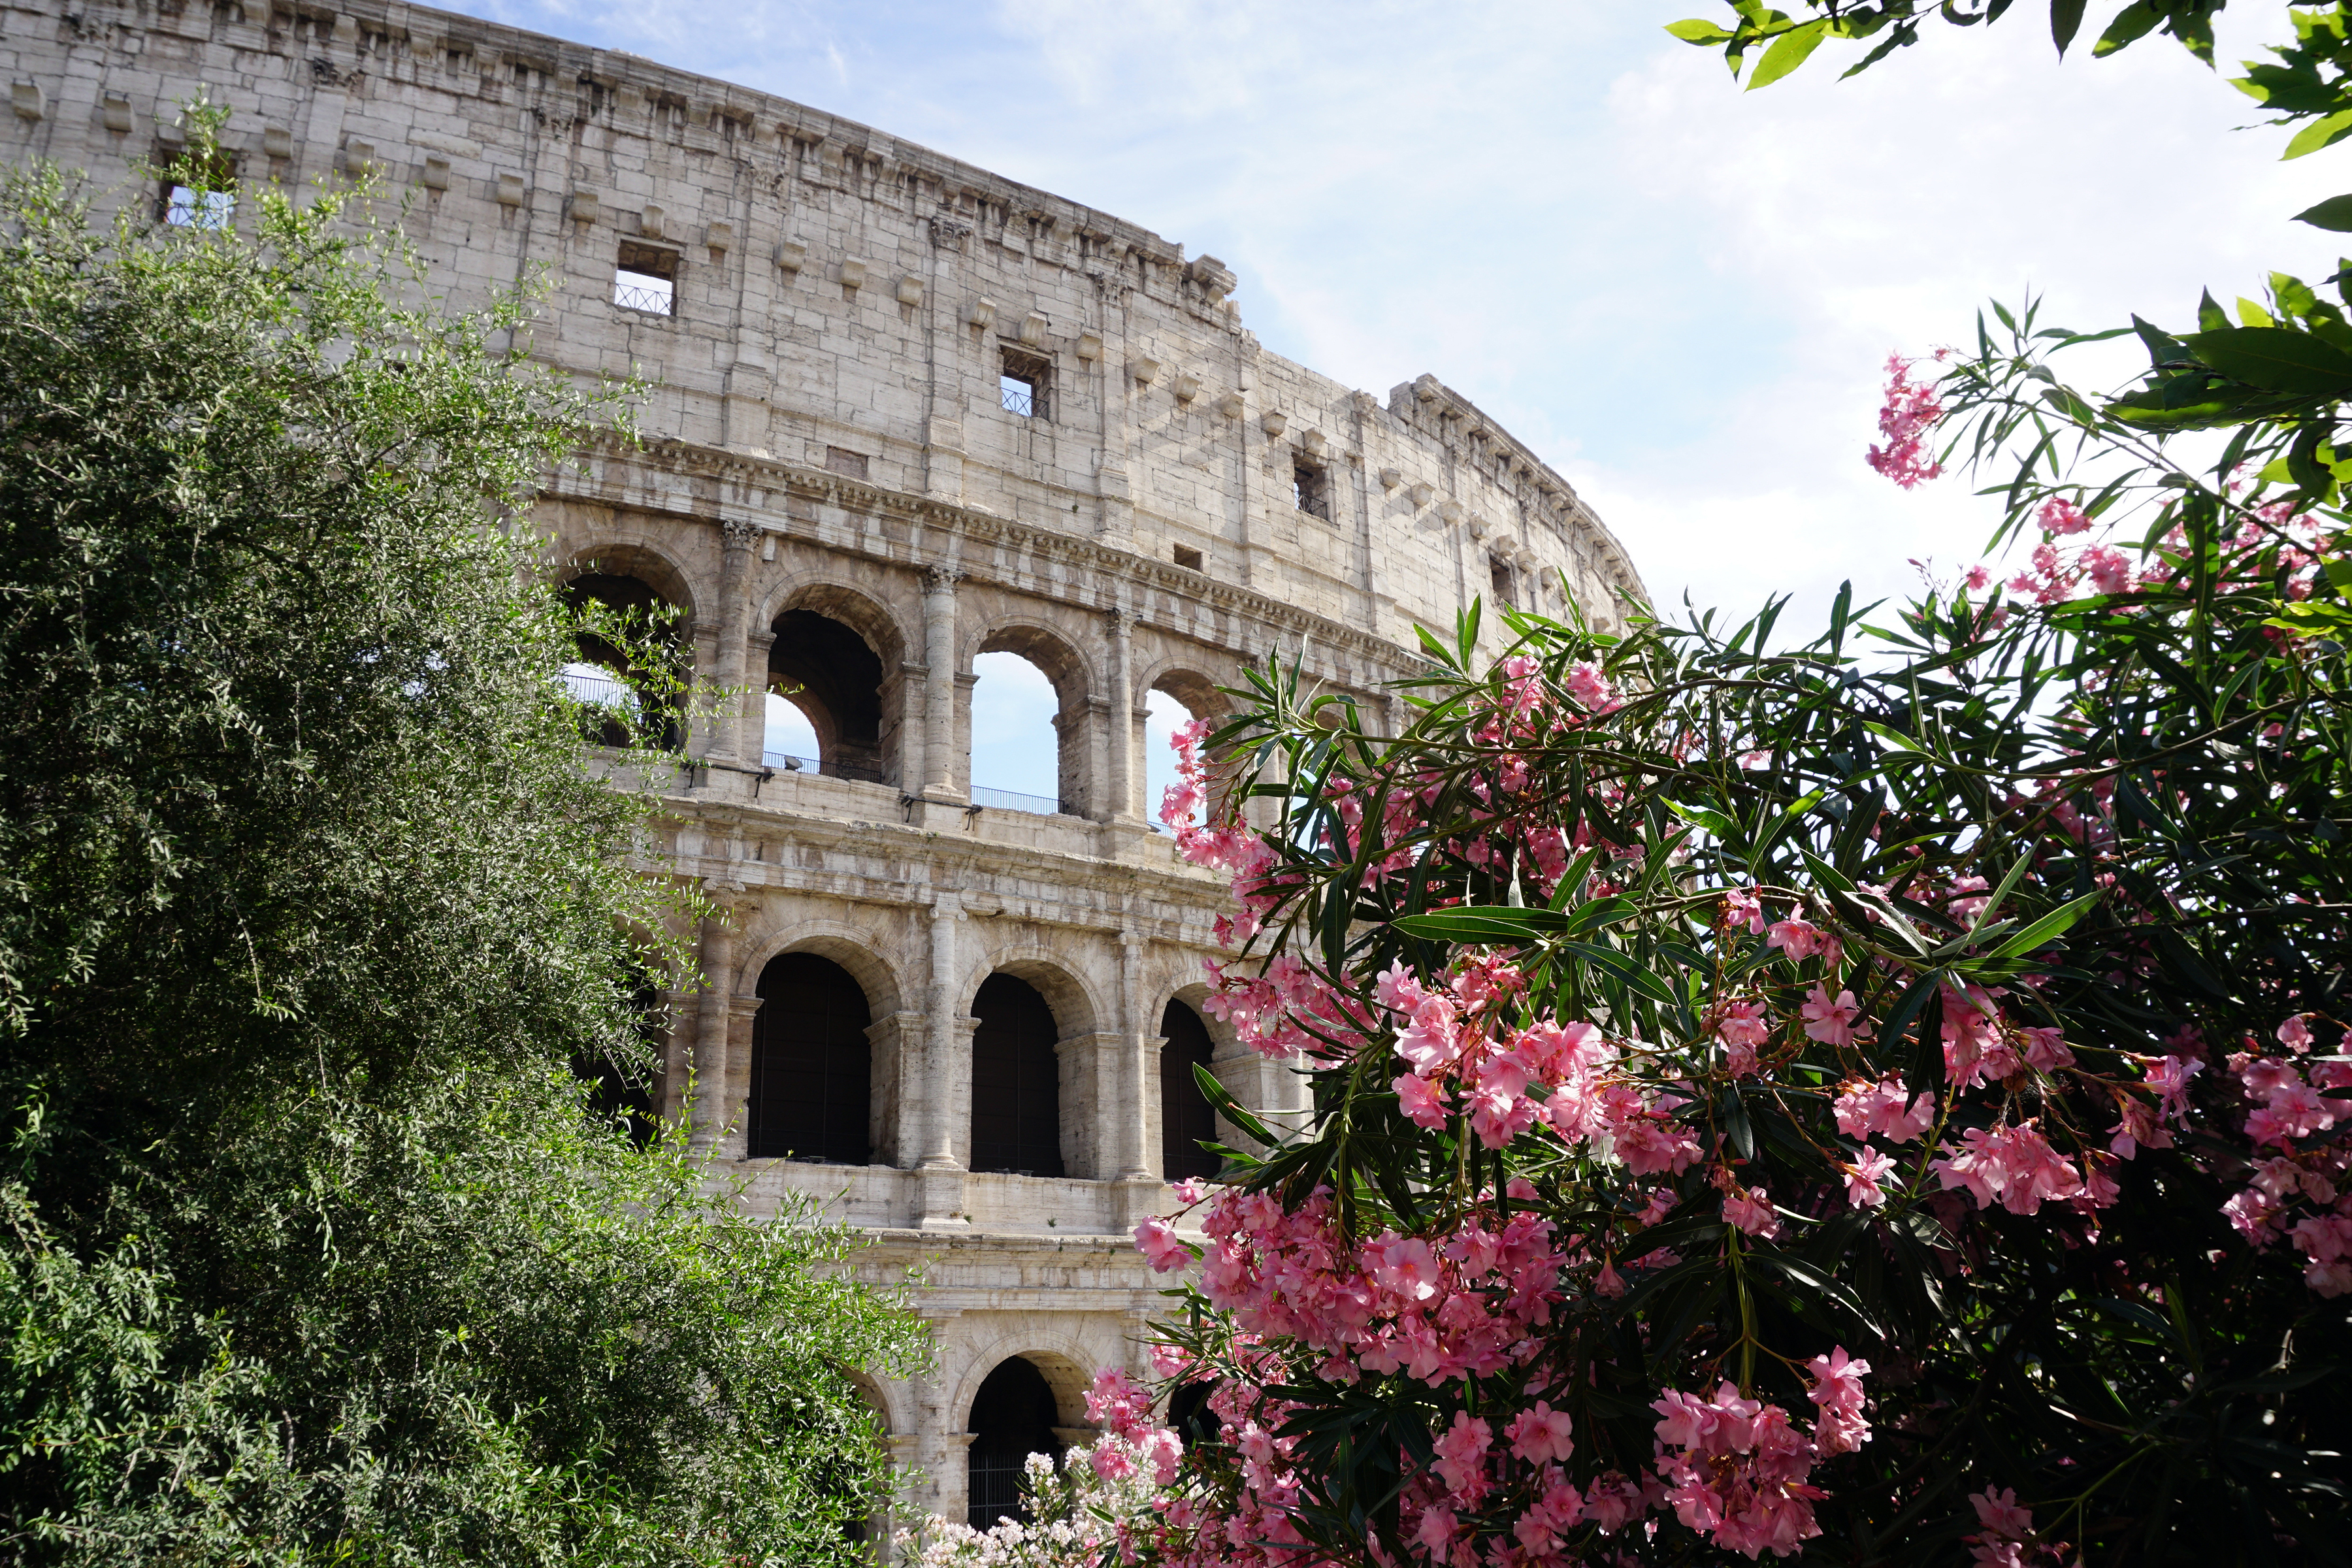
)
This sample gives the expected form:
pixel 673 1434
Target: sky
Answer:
pixel 1680 294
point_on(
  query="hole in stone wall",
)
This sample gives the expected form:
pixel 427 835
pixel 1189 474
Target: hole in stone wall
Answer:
pixel 1012 1417
pixel 1187 558
pixel 1017 1098
pixel 1311 489
pixel 645 279
pixel 1505 580
pixel 812 1069
pixel 1186 1117
pixel 824 702
pixel 1024 385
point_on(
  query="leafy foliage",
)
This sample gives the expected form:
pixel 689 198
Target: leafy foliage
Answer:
pixel 317 1249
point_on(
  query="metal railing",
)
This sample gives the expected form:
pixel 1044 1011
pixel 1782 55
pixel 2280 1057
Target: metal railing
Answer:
pixel 1018 395
pixel 655 296
pixel 606 691
pixel 786 761
pixel 1014 799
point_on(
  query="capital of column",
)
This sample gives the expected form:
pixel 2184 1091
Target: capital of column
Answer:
pixel 739 533
pixel 942 579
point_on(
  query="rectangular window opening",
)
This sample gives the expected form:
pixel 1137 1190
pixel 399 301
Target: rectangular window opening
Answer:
pixel 645 279
pixel 1021 385
pixel 185 207
pixel 1311 489
pixel 1503 580
pixel 1188 559
pixel 843 461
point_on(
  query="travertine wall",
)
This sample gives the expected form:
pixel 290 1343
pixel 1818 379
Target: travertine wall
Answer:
pixel 828 437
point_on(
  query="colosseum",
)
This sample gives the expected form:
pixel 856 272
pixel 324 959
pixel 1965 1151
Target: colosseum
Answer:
pixel 907 414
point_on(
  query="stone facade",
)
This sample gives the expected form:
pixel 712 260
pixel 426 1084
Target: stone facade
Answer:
pixel 831 457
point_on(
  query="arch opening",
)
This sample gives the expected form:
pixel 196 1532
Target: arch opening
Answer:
pixel 1016 740
pixel 1013 1416
pixel 1186 1117
pixel 1017 1100
pixel 824 700
pixel 812 1065
pixel 638 703
pixel 1164 715
pixel 622 1081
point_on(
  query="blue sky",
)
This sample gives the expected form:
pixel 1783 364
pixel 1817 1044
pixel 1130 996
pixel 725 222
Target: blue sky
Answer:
pixel 1677 292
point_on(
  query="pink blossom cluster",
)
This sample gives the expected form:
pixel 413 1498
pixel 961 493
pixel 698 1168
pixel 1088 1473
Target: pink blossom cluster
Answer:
pixel 1906 420
pixel 1736 1468
pixel 2295 1187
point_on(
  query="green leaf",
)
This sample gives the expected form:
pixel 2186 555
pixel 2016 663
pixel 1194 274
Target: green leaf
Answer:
pixel 2276 359
pixel 2131 24
pixel 1699 30
pixel 1714 821
pixel 2335 213
pixel 1611 962
pixel 2065 21
pixel 1789 51
pixel 2050 926
pixel 2319 134
pixel 1230 1108
pixel 1497 924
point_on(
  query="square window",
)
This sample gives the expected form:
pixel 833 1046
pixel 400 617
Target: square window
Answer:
pixel 1021 385
pixel 843 461
pixel 1311 489
pixel 1188 559
pixel 1503 579
pixel 645 279
pixel 184 207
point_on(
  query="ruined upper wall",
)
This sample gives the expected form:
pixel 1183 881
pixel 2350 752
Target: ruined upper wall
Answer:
pixel 844 298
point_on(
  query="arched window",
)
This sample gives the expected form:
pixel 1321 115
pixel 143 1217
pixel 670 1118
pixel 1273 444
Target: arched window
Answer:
pixel 622 1081
pixel 604 673
pixel 1012 1418
pixel 1015 748
pixel 825 701
pixel 1164 715
pixel 811 1065
pixel 1186 1116
pixel 1017 1099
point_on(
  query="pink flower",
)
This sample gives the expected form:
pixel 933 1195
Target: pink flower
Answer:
pixel 2295 1032
pixel 1422 1102
pixel 1742 906
pixel 1996 1511
pixel 1158 1242
pixel 1831 1023
pixel 2110 569
pixel 1429 1042
pixel 1752 1212
pixel 1540 1433
pixel 1878 1110
pixel 1405 1265
pixel 1862 1177
pixel 1436 1532
pixel 1798 939
pixel 2059 515
pixel 1461 1457
pixel 2253 1214
pixel 1977 579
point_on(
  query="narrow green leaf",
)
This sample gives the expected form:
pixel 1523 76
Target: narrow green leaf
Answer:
pixel 2276 359
pixel 2065 21
pixel 2049 927
pixel 2319 134
pixel 1495 923
pixel 1699 30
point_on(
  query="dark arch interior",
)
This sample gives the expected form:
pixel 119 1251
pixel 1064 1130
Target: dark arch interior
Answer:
pixel 622 1091
pixel 812 1066
pixel 1012 1418
pixel 1186 1116
pixel 1016 1100
pixel 836 680
pixel 649 612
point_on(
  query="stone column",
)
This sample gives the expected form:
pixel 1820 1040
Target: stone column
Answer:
pixel 734 617
pixel 753 742
pixel 735 1074
pixel 708 1119
pixel 938 684
pixel 1120 771
pixel 1135 1087
pixel 939 1175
